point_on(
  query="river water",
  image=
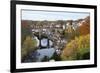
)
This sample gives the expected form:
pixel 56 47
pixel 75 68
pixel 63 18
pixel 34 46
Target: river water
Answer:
pixel 39 54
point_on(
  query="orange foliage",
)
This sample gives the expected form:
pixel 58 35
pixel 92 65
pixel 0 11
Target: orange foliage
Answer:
pixel 85 27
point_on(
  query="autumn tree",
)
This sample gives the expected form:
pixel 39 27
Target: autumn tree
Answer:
pixel 28 46
pixel 25 30
pixel 77 49
pixel 84 28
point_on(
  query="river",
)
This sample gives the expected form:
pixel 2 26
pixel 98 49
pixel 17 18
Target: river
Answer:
pixel 40 54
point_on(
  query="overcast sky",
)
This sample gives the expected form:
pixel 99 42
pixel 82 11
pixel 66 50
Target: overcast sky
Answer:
pixel 50 15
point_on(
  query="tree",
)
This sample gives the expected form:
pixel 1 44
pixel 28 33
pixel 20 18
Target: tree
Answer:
pixel 25 30
pixel 28 46
pixel 84 28
pixel 77 49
